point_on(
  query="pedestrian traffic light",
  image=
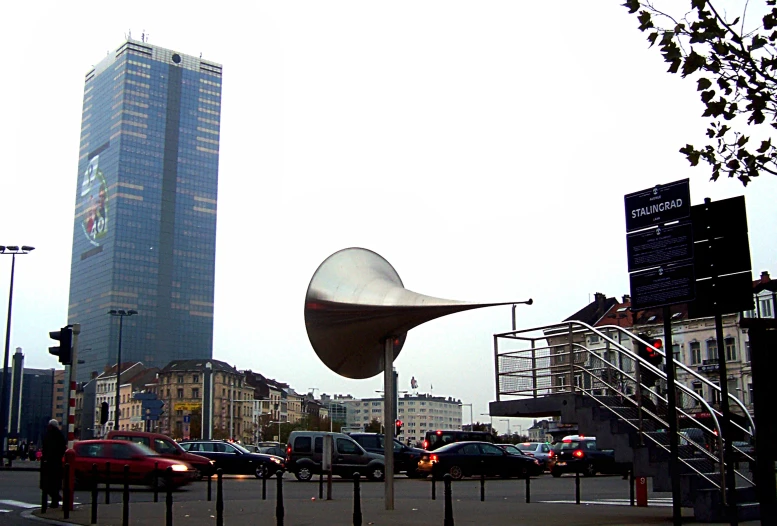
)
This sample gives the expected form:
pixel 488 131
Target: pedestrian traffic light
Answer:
pixel 651 355
pixel 398 426
pixel 104 413
pixel 65 348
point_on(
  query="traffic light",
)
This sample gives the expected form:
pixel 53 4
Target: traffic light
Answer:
pixel 65 348
pixel 398 427
pixel 103 412
pixel 649 354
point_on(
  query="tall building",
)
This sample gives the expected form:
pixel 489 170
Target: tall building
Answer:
pixel 145 210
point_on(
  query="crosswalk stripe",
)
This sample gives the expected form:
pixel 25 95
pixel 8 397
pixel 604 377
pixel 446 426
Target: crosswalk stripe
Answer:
pixel 659 503
pixel 18 504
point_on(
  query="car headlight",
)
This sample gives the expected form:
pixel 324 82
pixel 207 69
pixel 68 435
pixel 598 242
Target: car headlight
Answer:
pixel 180 467
pixel 537 462
pixel 276 460
pixel 212 462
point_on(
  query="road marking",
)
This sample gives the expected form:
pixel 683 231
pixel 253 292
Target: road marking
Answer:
pixel 659 502
pixel 18 504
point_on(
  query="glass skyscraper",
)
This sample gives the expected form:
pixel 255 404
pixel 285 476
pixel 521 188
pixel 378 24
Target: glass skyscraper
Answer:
pixel 145 211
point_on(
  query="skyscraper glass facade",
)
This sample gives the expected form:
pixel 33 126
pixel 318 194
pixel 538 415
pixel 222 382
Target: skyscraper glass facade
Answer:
pixel 145 211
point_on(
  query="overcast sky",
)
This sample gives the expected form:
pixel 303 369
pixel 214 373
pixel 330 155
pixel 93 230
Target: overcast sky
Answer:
pixel 482 148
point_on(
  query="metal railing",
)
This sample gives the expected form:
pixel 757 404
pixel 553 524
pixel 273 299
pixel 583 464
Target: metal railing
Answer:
pixel 578 358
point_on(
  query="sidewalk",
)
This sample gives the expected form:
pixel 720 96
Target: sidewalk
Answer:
pixel 407 512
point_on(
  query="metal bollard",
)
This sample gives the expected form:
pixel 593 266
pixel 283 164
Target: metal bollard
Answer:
pixel 279 500
pixel 482 487
pixel 125 498
pixel 94 494
pixel 321 485
pixel 209 477
pixel 357 501
pixel 44 501
pixel 577 486
pixel 169 496
pixel 528 489
pixel 66 491
pixel 219 498
pixel 631 487
pixel 155 482
pixel 107 482
pixel 448 521
pixel 264 485
pixel 434 486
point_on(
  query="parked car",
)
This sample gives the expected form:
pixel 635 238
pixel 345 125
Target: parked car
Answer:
pixel 234 459
pixel 304 455
pixel 441 437
pixel 145 465
pixel 405 457
pixel 466 459
pixel 538 450
pixel 166 447
pixel 580 453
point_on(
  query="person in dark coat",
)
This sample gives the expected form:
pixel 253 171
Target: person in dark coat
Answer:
pixel 54 446
pixel 23 450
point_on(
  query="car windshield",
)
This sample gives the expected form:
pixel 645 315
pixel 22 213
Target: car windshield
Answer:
pixel 572 444
pixel 527 447
pixel 512 449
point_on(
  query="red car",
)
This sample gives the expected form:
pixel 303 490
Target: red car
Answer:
pixel 143 464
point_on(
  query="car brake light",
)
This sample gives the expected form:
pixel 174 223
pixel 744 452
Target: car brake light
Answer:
pixel 433 458
pixel 578 453
pixel 439 432
pixel 426 444
pixel 551 454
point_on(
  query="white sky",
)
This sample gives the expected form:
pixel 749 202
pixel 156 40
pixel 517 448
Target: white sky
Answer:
pixel 483 149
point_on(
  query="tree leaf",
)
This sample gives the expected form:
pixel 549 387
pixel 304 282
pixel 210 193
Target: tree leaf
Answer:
pixel 704 84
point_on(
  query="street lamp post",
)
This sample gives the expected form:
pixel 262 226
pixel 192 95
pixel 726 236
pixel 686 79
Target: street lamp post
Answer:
pixel 120 314
pixel 471 420
pixel 509 434
pixel 5 394
pixel 279 422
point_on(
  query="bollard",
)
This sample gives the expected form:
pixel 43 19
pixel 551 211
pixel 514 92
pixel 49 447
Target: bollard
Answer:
pixel 528 489
pixel 155 482
pixel 94 494
pixel 264 486
pixel 631 487
pixel 125 497
pixel 279 500
pixel 577 486
pixel 107 482
pixel 70 458
pixel 66 491
pixel 448 521
pixel 641 489
pixel 44 501
pixel 321 484
pixel 434 486
pixel 357 501
pixel 219 498
pixel 169 496
pixel 209 477
pixel 482 487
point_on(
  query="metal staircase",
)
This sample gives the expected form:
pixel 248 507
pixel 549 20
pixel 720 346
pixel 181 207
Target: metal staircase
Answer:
pixel 589 375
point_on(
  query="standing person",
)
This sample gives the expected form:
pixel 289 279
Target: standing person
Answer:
pixel 23 450
pixel 54 446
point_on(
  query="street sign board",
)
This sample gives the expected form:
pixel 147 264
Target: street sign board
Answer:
pixel 662 286
pixel 727 294
pixel 187 419
pixel 659 246
pixel 658 205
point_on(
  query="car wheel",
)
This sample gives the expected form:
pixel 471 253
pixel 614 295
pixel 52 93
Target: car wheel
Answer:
pixel 376 473
pixel 456 473
pixel 303 474
pixel 555 473
pixel 261 472
pixel 589 470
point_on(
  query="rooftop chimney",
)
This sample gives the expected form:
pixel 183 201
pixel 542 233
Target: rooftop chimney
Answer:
pixel 765 276
pixel 626 298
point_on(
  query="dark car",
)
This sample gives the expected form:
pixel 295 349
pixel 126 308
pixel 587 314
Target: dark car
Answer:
pixel 466 459
pixel 579 453
pixel 166 447
pixel 440 437
pixel 233 459
pixel 305 454
pixel 146 467
pixel 405 457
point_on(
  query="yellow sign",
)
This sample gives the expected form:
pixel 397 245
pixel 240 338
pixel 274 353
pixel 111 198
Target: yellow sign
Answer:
pixel 186 406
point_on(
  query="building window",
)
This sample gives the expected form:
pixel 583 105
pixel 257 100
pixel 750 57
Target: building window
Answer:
pixel 180 393
pixel 180 378
pixel 716 395
pixel 712 349
pixel 731 349
pixel 195 393
pixel 747 351
pixel 195 378
pixel 699 390
pixel 676 353
pixel 695 353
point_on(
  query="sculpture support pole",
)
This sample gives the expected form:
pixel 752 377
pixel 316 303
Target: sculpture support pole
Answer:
pixel 388 426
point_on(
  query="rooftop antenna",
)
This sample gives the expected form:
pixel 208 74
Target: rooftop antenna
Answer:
pixel 130 34
pixel 143 36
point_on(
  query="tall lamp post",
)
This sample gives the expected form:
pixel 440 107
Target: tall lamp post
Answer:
pixel 120 314
pixel 471 420
pixel 5 394
pixel 509 434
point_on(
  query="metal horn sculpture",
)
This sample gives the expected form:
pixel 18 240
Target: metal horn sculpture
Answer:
pixel 355 301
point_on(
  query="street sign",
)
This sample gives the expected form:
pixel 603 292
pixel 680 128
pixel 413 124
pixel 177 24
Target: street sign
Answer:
pixel 187 419
pixel 659 246
pixel 662 286
pixel 658 205
pixel 727 294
